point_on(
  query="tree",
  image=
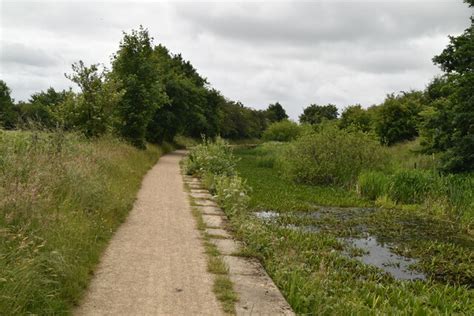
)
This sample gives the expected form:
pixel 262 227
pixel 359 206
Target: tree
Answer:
pixel 398 118
pixel 276 113
pixel 38 109
pixel 92 110
pixel 315 114
pixel 355 116
pixel 134 68
pixel 8 115
pixel 449 125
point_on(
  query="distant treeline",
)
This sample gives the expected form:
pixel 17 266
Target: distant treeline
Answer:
pixel 148 95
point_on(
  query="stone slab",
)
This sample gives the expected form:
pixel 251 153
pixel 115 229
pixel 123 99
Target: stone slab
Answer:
pixel 243 266
pixel 226 246
pixel 210 210
pixel 205 196
pixel 205 203
pixel 258 295
pixel 213 220
pixel 218 232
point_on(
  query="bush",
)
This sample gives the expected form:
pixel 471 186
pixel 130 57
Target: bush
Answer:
pixel 331 156
pixel 283 131
pixel 215 163
pixel 213 157
pixel 373 184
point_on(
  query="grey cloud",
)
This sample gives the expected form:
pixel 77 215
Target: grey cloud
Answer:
pixel 308 23
pixel 21 54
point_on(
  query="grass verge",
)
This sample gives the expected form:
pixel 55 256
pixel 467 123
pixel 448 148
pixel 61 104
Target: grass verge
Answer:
pixel 61 199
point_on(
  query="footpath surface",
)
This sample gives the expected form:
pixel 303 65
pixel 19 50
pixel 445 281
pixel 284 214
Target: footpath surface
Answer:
pixel 155 264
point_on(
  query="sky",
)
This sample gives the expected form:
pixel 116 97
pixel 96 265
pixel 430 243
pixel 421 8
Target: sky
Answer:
pixel 257 52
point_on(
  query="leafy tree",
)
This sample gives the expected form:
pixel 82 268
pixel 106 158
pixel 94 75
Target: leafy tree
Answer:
pixel 40 105
pixel 355 116
pixel 315 114
pixel 398 118
pixel 449 125
pixel 282 131
pixel 276 113
pixel 92 110
pixel 8 115
pixel 134 68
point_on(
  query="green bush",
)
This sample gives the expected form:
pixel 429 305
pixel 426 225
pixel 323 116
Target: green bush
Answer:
pixel 283 131
pixel 373 184
pixel 331 156
pixel 214 157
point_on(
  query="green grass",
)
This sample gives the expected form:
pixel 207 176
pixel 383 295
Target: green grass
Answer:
pixel 61 199
pixel 317 278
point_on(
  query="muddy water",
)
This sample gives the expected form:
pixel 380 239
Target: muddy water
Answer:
pixel 375 253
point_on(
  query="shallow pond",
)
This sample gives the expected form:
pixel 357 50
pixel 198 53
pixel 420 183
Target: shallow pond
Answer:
pixel 373 252
pixel 381 256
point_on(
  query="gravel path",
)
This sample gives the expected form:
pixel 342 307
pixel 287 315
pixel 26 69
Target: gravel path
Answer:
pixel 155 264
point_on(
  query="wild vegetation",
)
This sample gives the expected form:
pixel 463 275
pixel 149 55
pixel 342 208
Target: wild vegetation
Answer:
pixel 61 198
pixel 397 174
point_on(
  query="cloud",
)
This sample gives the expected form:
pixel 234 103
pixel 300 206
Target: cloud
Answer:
pixel 295 52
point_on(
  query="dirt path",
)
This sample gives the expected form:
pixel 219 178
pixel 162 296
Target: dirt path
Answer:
pixel 155 264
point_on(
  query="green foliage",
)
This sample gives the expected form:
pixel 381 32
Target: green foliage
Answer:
pixel 331 156
pixel 282 131
pixel 316 114
pixel 8 116
pixel 133 67
pixel 238 122
pixel 356 117
pixel 276 113
pixel 450 195
pixel 231 193
pixel 91 112
pixel 449 121
pixel 302 250
pixel 411 186
pixel 38 110
pixel 61 199
pixel 398 118
pixel 214 157
pixel 373 184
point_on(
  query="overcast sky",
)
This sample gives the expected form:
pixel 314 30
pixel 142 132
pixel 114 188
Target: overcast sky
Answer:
pixel 294 52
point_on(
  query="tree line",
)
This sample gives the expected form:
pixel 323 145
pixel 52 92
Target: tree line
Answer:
pixel 152 95
pixel 442 115
pixel 149 95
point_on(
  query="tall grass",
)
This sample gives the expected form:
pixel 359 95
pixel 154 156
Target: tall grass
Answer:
pixel 61 199
pixel 452 195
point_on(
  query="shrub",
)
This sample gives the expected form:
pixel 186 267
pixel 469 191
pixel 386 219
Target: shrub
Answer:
pixel 283 131
pixel 373 184
pixel 214 157
pixel 331 156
